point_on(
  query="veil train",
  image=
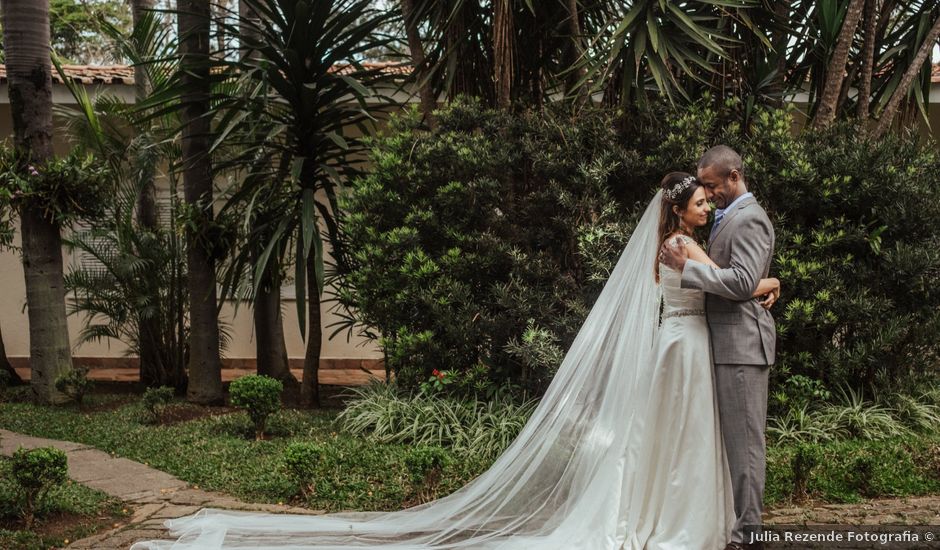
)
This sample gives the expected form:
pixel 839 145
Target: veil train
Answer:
pixel 567 481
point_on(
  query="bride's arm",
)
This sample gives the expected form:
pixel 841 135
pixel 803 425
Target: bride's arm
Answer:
pixel 764 286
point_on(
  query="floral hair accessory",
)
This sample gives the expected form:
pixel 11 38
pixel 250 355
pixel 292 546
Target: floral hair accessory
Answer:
pixel 677 189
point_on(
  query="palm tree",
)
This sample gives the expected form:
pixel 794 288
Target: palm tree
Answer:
pixel 901 91
pixel 28 63
pixel 826 111
pixel 292 102
pixel 205 366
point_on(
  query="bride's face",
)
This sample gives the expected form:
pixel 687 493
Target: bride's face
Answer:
pixel 696 210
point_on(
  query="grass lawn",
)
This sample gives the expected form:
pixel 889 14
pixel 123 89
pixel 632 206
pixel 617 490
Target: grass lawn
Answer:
pixel 218 452
pixel 214 449
pixel 69 512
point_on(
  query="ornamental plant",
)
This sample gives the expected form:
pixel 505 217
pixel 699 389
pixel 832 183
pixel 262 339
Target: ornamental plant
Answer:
pixel 35 472
pixel 155 401
pixel 68 189
pixel 74 383
pixel 302 463
pixel 260 395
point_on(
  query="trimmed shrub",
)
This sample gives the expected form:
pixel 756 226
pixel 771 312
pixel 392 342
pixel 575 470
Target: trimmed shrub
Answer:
pixel 302 463
pixel 74 383
pixel 424 465
pixel 36 471
pixel 155 401
pixel 260 395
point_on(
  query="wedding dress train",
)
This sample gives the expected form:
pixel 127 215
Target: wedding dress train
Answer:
pixel 623 450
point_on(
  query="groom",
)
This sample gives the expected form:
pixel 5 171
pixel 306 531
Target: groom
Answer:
pixel 742 332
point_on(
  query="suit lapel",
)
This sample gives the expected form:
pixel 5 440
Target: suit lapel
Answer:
pixel 730 216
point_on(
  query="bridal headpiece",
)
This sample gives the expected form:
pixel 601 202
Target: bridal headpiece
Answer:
pixel 677 189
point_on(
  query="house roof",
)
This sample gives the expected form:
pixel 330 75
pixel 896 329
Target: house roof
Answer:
pixel 124 74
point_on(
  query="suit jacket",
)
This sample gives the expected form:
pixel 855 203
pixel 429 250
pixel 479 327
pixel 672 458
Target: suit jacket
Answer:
pixel 742 331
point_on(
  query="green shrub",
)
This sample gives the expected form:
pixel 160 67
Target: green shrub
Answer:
pixel 487 240
pixel 36 471
pixel 303 462
pixel 804 460
pixel 424 465
pixel 74 383
pixel 260 395
pixel 482 245
pixel 155 401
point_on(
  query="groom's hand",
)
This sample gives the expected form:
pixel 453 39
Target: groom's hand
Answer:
pixel 674 254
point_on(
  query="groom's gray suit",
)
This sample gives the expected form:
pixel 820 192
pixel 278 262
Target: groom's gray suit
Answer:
pixel 743 347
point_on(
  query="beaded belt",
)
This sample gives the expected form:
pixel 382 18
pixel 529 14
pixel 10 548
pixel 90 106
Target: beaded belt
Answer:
pixel 683 313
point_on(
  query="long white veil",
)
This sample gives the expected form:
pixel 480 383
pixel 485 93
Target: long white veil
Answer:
pixel 567 481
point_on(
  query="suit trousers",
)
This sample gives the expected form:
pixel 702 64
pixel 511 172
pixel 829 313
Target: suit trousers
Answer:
pixel 742 410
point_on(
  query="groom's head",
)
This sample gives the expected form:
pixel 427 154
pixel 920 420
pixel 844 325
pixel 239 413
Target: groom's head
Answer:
pixel 722 175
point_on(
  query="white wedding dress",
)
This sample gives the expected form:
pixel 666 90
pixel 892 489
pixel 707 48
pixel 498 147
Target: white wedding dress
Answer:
pixel 623 450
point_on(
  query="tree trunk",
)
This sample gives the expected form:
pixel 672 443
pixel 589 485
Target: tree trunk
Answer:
pixel 891 109
pixel 418 62
pixel 310 385
pixel 835 72
pixel 868 60
pixel 778 86
pixel 26 45
pixel 503 54
pixel 153 370
pixel 205 366
pixel 270 348
pixel 575 51
pixel 5 365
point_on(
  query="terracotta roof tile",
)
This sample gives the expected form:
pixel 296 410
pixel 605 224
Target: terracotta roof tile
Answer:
pixel 90 74
pixel 124 74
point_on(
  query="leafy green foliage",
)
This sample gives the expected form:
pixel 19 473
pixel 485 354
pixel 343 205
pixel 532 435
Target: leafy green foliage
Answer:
pixel 155 402
pixel 856 247
pixel 480 428
pixel 850 470
pixel 76 30
pixel 74 383
pixel 479 248
pixel 481 245
pixel 214 454
pixel 67 189
pixel 260 395
pixel 95 509
pixel 35 471
pixel 301 462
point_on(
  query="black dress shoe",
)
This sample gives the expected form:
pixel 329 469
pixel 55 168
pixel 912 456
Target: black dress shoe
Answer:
pixel 735 546
pixel 754 546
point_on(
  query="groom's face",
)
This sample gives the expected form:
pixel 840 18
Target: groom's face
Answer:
pixel 720 189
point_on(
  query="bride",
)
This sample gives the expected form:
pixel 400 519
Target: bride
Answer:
pixel 623 451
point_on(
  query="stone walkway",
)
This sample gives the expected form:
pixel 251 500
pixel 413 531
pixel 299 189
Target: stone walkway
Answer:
pixel 157 496
pixel 154 496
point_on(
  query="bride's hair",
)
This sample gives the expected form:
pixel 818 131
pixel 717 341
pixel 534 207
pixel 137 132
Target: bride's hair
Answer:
pixel 678 188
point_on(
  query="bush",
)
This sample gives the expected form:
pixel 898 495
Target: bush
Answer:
pixel 260 395
pixel 74 383
pixel 424 465
pixel 35 472
pixel 155 401
pixel 302 463
pixel 486 241
pixel 481 246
